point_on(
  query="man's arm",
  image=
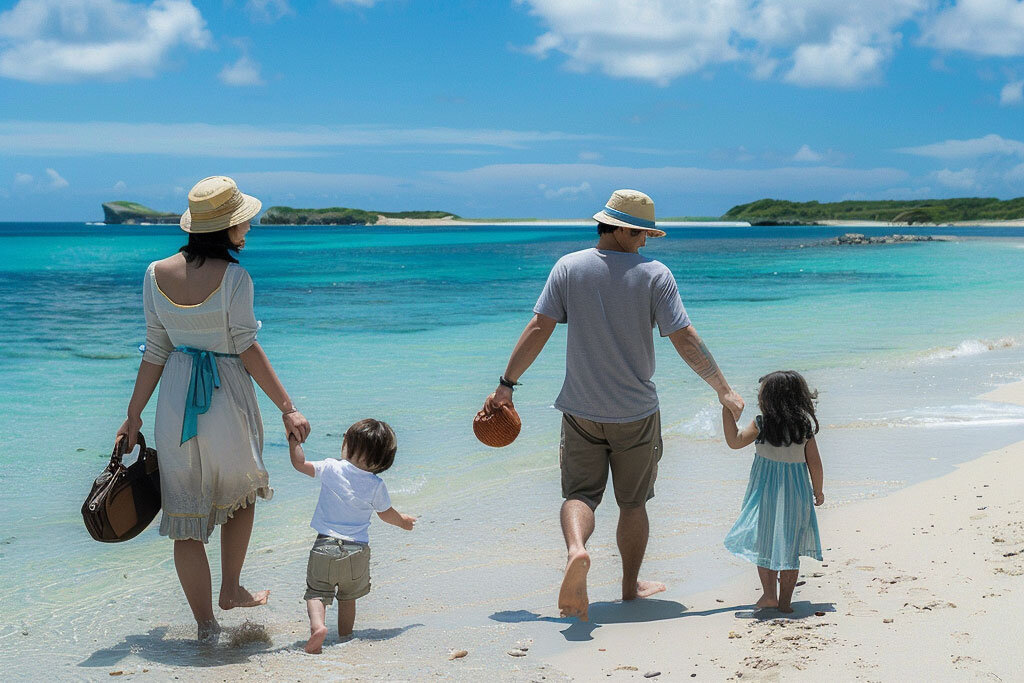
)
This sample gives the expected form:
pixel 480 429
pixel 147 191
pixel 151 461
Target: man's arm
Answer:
pixel 691 349
pixel 535 335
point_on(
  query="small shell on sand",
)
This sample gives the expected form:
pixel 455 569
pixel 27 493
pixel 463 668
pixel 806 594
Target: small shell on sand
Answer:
pixel 458 654
pixel 733 634
pixel 516 653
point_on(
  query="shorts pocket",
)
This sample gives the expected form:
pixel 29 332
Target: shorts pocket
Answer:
pixel 359 563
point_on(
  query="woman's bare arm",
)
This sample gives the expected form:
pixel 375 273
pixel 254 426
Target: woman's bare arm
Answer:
pixel 145 385
pixel 258 365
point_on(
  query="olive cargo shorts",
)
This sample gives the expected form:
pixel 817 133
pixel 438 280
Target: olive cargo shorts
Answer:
pixel 337 566
pixel 631 449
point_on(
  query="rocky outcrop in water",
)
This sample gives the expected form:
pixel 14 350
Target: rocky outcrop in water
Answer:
pixel 856 238
pixel 131 213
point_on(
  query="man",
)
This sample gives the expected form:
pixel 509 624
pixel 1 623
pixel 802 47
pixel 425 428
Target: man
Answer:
pixel 611 297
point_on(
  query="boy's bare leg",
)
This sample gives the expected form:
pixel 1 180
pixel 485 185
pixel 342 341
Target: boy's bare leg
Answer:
pixel 194 575
pixel 346 617
pixel 769 584
pixel 577 526
pixel 787 583
pixel 234 541
pixel 631 536
pixel 317 628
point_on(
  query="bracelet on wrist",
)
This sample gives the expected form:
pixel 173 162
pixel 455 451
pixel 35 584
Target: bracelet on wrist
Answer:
pixel 505 382
pixel 289 412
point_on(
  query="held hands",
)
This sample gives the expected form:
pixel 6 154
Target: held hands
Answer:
pixel 501 396
pixel 732 402
pixel 296 425
pixel 130 430
pixel 819 497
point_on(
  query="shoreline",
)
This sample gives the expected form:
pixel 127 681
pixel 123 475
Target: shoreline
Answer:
pixel 943 569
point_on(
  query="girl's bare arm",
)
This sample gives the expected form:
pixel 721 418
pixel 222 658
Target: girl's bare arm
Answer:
pixel 814 468
pixel 733 437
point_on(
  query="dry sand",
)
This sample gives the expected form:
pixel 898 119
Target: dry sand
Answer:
pixel 924 584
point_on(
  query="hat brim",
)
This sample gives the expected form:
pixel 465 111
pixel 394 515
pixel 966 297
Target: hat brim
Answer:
pixel 248 210
pixel 602 217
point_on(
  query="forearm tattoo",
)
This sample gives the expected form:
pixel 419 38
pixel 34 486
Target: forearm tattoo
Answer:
pixel 702 362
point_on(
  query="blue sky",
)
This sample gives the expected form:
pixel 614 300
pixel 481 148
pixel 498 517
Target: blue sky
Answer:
pixel 507 107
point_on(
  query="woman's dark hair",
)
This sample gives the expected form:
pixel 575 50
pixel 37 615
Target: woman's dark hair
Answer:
pixel 604 228
pixel 787 408
pixel 374 442
pixel 204 245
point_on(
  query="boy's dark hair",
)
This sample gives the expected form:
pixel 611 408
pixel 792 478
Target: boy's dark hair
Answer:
pixel 604 228
pixel 204 245
pixel 787 408
pixel 374 442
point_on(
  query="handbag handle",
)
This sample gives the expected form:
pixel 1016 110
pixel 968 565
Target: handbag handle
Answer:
pixel 119 448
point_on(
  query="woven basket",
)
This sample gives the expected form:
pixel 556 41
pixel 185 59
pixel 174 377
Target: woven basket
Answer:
pixel 498 429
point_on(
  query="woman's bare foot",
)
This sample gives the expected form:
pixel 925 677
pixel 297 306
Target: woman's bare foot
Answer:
pixel 315 645
pixel 767 602
pixel 208 632
pixel 242 598
pixel 572 597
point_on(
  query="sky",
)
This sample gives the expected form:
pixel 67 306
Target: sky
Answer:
pixel 514 108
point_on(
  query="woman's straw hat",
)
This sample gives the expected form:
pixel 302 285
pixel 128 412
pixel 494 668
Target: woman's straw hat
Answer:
pixel 629 209
pixel 215 203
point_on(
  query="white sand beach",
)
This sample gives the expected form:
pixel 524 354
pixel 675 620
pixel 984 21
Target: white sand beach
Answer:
pixel 923 584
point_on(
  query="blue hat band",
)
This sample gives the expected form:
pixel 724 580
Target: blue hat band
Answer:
pixel 626 218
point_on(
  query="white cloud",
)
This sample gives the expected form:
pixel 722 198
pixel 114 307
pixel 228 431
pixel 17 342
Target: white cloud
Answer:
pixel 820 42
pixel 56 181
pixel 238 141
pixel 1015 175
pixel 72 40
pixel 268 10
pixel 984 27
pixel 990 145
pixel 120 186
pixel 805 153
pixel 566 192
pixel 1012 93
pixel 23 179
pixel 356 3
pixel 589 156
pixel 965 179
pixel 243 72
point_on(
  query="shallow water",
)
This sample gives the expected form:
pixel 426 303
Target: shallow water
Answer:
pixel 413 325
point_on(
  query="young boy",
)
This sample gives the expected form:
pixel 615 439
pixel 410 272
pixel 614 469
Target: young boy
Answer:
pixel 350 491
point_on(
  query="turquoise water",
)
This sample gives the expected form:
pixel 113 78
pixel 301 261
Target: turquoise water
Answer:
pixel 413 325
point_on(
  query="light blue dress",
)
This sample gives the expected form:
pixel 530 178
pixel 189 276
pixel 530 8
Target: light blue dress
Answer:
pixel 777 523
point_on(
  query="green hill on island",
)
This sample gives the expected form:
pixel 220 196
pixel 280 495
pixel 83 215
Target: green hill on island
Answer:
pixel 338 215
pixel 116 213
pixel 909 211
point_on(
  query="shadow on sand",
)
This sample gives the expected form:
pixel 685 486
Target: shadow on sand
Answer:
pixel 639 611
pixel 158 647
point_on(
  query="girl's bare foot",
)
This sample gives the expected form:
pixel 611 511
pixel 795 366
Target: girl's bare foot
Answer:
pixel 315 645
pixel 643 589
pixel 208 632
pixel 242 598
pixel 767 602
pixel 572 598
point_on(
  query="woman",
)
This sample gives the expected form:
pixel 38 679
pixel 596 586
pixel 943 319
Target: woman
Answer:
pixel 201 347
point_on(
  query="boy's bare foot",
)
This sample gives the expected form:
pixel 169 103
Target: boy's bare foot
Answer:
pixel 315 645
pixel 785 607
pixel 572 597
pixel 643 589
pixel 767 603
pixel 242 598
pixel 208 632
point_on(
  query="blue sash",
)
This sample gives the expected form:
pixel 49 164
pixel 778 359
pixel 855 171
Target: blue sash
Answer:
pixel 205 378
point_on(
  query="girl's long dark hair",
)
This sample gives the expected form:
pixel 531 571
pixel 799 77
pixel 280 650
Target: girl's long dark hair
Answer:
pixel 204 245
pixel 787 408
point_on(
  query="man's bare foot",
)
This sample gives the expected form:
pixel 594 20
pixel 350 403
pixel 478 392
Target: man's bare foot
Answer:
pixel 208 632
pixel 786 608
pixel 643 589
pixel 242 598
pixel 315 645
pixel 572 597
pixel 767 603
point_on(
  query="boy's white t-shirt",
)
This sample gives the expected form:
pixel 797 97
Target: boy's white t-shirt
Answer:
pixel 348 497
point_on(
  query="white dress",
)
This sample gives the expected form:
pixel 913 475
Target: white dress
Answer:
pixel 209 476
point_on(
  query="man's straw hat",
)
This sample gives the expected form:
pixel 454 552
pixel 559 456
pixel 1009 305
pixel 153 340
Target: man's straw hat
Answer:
pixel 215 203
pixel 629 209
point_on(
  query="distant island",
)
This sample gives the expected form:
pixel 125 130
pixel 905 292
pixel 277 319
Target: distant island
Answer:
pixel 920 211
pixel 338 215
pixel 132 213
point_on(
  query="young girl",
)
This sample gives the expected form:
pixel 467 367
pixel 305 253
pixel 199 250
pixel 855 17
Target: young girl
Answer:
pixel 777 523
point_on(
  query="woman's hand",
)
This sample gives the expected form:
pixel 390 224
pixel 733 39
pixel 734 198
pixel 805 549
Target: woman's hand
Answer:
pixel 296 424
pixel 129 429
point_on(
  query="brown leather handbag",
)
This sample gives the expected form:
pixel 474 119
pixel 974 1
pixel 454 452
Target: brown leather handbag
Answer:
pixel 123 500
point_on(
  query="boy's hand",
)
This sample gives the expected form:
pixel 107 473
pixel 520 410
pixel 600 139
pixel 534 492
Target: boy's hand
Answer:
pixel 819 497
pixel 407 523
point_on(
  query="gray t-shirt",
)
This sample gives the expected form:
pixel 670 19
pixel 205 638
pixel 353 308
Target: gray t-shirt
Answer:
pixel 611 300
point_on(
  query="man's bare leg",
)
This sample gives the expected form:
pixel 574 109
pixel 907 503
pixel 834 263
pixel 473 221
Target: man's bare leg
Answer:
pixel 631 536
pixel 769 586
pixel 577 526
pixel 787 583
pixel 346 617
pixel 317 629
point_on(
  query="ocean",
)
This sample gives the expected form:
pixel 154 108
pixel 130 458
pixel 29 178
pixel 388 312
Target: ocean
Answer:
pixel 413 326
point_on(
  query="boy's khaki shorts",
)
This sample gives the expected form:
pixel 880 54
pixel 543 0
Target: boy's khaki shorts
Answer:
pixel 337 567
pixel 631 449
